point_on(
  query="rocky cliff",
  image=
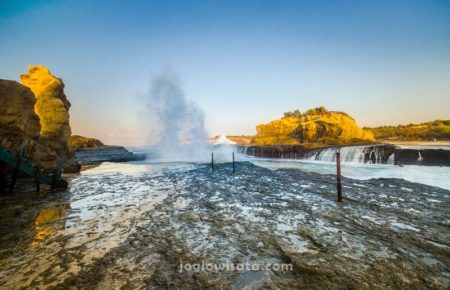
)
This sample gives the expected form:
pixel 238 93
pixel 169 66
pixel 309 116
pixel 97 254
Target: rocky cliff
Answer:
pixel 19 123
pixel 52 107
pixel 37 112
pixel 317 126
pixel 17 116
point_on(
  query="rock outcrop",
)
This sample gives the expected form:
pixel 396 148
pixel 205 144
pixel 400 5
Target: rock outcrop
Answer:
pixel 17 117
pixel 91 151
pixel 19 123
pixel 37 113
pixel 316 126
pixel 80 142
pixel 107 153
pixel 52 108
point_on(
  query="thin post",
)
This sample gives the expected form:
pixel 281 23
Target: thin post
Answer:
pixel 212 161
pixel 234 166
pixel 57 173
pixel 338 176
pixel 14 174
pixel 54 179
pixel 37 177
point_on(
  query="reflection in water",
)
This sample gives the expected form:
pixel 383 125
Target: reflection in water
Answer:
pixel 43 223
pixel 52 237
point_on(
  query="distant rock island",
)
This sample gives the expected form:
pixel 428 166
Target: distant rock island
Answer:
pixel 315 127
pixel 318 132
pixel 319 127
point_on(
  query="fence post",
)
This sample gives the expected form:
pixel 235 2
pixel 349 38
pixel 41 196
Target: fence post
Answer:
pixel 234 166
pixel 37 176
pixel 22 150
pixel 57 173
pixel 338 176
pixel 14 174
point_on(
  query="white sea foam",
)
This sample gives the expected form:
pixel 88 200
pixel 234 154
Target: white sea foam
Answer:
pixel 429 175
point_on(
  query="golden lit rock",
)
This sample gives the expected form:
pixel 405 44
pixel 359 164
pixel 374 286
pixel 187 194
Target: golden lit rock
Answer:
pixel 315 126
pixel 52 107
pixel 17 116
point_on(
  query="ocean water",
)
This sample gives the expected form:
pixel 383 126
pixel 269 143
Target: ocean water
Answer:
pixel 429 175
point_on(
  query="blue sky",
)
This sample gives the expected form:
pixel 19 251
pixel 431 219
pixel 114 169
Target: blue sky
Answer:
pixel 243 62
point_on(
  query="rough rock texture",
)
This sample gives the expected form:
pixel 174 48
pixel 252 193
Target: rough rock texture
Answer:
pixel 97 155
pixel 325 128
pixel 17 116
pixel 52 107
pixel 19 122
pixel 79 142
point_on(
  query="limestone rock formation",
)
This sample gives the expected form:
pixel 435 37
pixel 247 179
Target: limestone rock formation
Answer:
pixel 80 142
pixel 315 126
pixel 17 116
pixel 52 107
pixel 19 123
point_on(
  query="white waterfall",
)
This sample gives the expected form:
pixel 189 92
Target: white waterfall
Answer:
pixel 391 159
pixel 354 154
pixel 420 158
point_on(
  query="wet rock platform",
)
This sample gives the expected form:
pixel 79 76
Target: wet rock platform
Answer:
pixel 130 226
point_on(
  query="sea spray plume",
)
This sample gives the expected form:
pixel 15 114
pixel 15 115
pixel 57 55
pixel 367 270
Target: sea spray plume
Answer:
pixel 179 122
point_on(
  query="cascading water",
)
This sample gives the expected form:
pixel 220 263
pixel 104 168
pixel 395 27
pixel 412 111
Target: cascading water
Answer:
pixel 420 158
pixel 391 159
pixel 353 154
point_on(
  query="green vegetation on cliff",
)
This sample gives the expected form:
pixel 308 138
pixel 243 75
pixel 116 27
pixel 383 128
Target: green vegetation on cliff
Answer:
pixel 435 130
pixel 314 127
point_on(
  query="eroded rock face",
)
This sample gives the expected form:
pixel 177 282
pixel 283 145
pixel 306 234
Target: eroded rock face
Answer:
pixel 52 107
pixel 17 116
pixel 326 128
pixel 19 122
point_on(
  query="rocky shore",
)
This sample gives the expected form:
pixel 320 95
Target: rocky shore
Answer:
pixel 91 151
pixel 132 226
pixel 96 155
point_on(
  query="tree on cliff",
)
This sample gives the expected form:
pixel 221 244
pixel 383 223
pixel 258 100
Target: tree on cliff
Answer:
pixel 295 114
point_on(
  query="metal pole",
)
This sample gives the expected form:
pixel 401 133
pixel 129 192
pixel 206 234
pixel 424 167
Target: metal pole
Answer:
pixel 212 161
pixel 234 166
pixel 338 176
